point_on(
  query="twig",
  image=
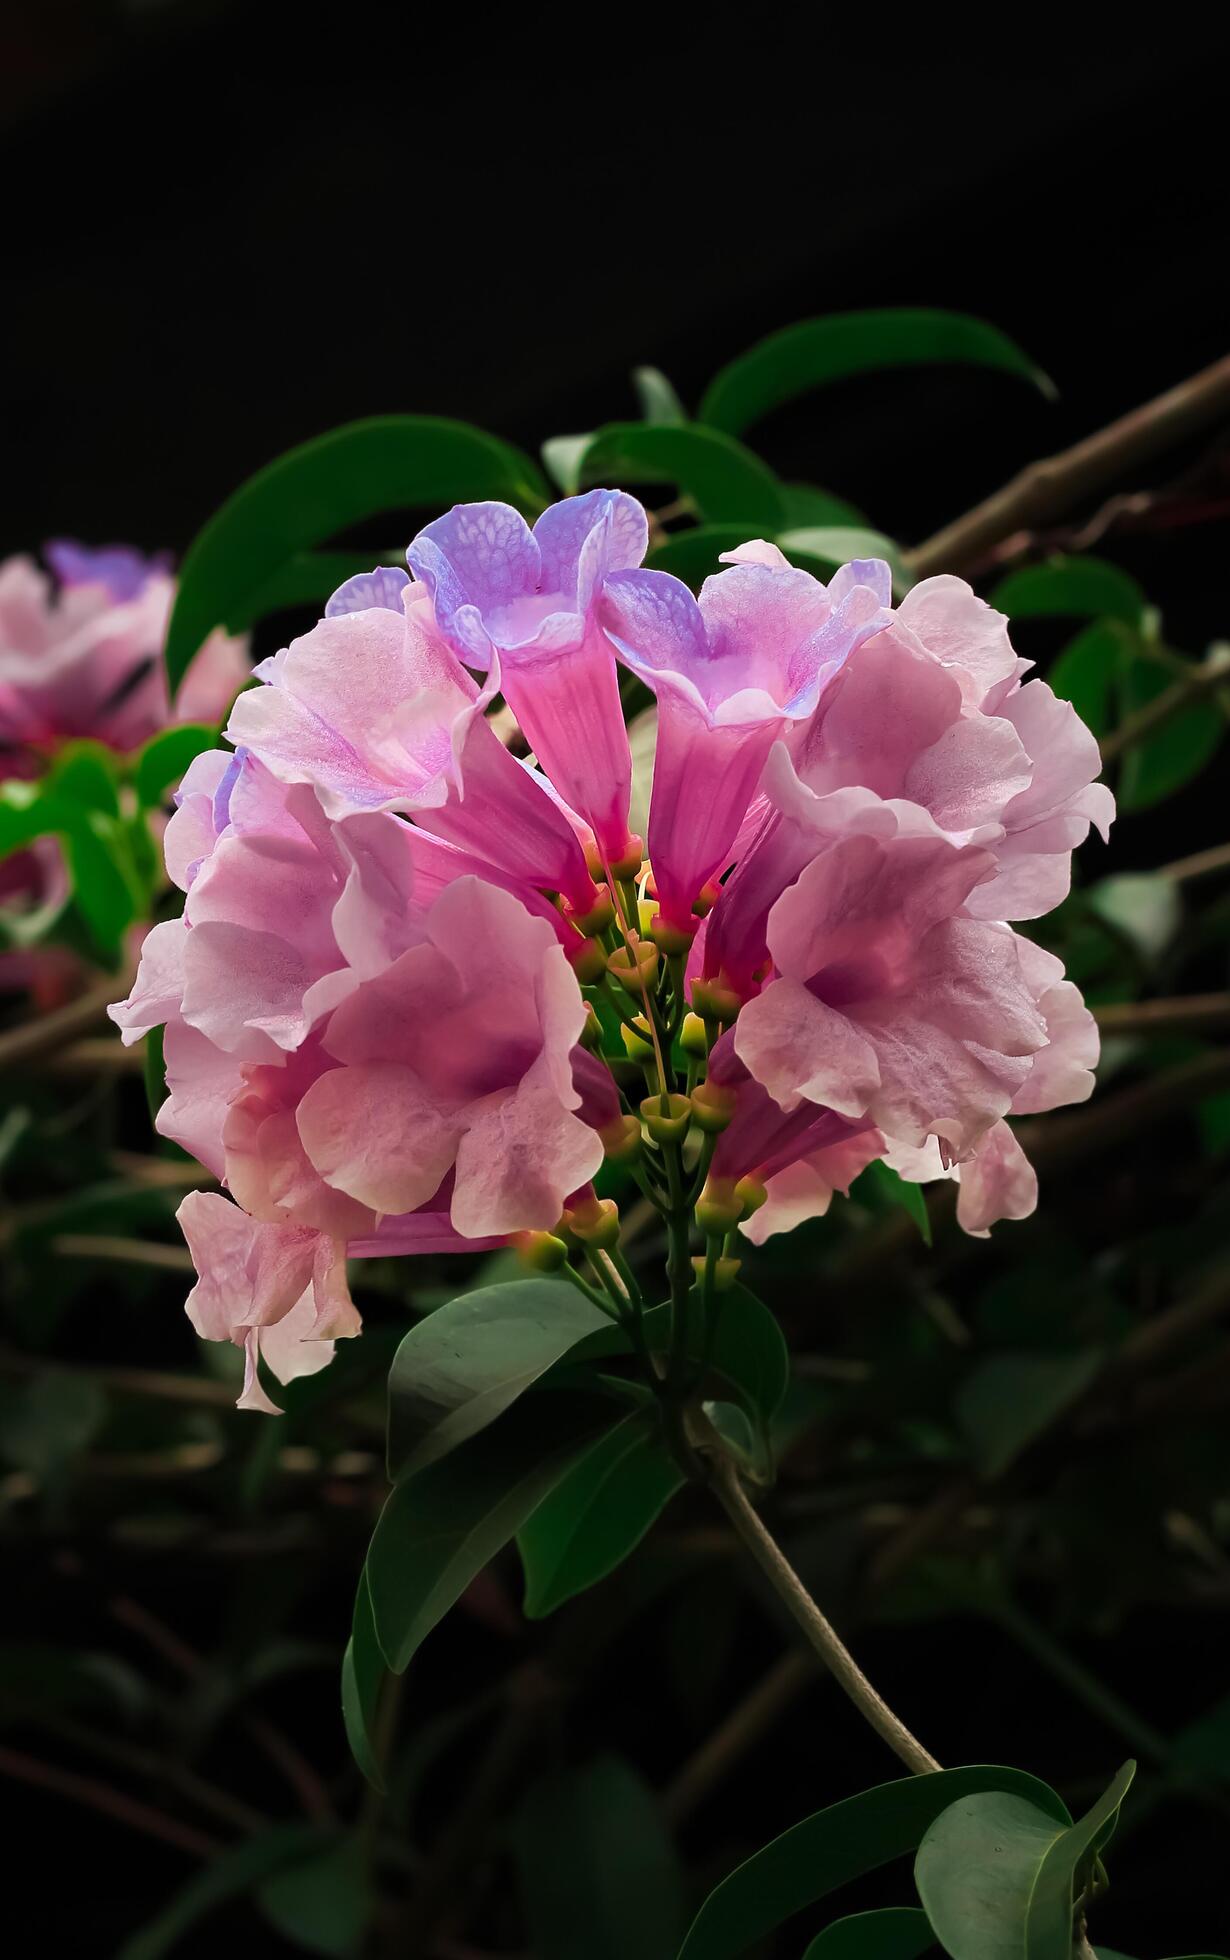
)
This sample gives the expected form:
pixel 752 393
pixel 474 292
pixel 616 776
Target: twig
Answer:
pixel 112 1803
pixel 791 1591
pixel 130 1252
pixel 44 1032
pixel 1202 864
pixel 1191 1012
pixel 1213 672
pixel 97 1055
pixel 733 1737
pixel 1055 484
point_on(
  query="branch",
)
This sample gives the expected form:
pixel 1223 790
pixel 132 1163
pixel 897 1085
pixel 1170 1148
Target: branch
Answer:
pixel 1190 1012
pixel 1202 864
pixel 1213 671
pixel 112 1803
pixel 1048 488
pixel 791 1591
pixel 44 1032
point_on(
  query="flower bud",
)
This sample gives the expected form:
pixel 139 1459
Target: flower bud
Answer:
pixel 591 1033
pixel 634 967
pixel 588 961
pixel 646 913
pixel 638 1045
pixel 629 865
pixel 714 1001
pixel 718 1209
pixel 671 940
pixel 752 1193
pixel 706 899
pixel 669 1125
pixel 713 1105
pixel 692 1037
pixel 621 1140
pixel 541 1251
pixel 725 1272
pixel 600 915
pixel 595 1222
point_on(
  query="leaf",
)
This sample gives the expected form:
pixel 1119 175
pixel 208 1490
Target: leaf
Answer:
pixel 1143 907
pixel 1086 673
pixel 597 1514
pixel 882 1185
pixel 1008 1399
pixel 228 1876
pixel 598 1872
pixel 441 1526
pixel 50 1420
pixel 838 1844
pixel 815 353
pixel 163 760
pixel 1083 588
pixel 561 459
pixel 363 1678
pixel 837 544
pixel 84 776
pixel 1165 761
pixel 38 1679
pixel 463 1365
pixel 323 1903
pixel 807 505
pixel 388 463
pixel 309 578
pixel 154 1072
pixel 998 1876
pixel 657 398
pixel 725 481
pixel 892 1933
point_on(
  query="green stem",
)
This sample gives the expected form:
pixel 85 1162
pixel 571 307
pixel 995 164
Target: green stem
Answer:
pixel 591 1292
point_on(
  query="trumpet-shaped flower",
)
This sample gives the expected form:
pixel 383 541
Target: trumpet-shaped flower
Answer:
pixel 731 673
pixel 522 603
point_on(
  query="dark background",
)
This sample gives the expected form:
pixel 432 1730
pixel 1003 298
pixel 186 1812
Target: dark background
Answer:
pixel 230 227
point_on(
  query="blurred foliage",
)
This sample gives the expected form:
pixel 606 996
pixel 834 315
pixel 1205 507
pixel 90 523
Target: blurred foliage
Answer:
pixel 1003 1466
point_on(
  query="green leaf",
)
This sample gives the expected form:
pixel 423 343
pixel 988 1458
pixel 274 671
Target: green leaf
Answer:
pixel 323 1903
pixel 999 1877
pixel 725 481
pixel 597 1514
pixel 463 1365
pixel 163 760
pixel 838 1844
pixel 309 578
pixel 441 1526
pixel 807 505
pixel 657 398
pixel 363 1677
pixel 389 463
pixel 1179 749
pixel 892 1933
pixel 84 775
pixel 1008 1399
pixel 837 544
pixel 154 1072
pixel 880 1185
pixel 694 555
pixel 1143 907
pixel 598 1872
pixel 815 353
pixel 561 459
pixel 228 1876
pixel 1086 673
pixel 1083 588
pixel 50 1420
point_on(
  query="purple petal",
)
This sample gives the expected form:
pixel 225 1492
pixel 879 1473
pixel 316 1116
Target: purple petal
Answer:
pixel 382 587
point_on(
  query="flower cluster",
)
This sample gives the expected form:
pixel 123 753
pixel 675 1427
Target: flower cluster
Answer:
pixel 416 975
pixel 80 657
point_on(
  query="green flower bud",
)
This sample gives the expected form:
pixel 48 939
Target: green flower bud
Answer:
pixel 668 1125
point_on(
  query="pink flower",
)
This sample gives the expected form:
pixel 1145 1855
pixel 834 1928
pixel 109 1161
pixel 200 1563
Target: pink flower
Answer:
pixel 888 1002
pixel 522 603
pixel 375 712
pixel 731 674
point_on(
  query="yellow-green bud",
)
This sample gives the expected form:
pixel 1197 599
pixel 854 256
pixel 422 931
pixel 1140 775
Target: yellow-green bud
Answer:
pixel 669 939
pixel 646 913
pixel 634 969
pixel 595 1222
pixel 588 961
pixel 725 1272
pixel 629 864
pixel 541 1251
pixel 638 1045
pixel 599 916
pixel 718 1209
pixel 706 899
pixel 713 1105
pixel 714 1001
pixel 591 1033
pixel 621 1140
pixel 752 1193
pixel 692 1037
pixel 669 1125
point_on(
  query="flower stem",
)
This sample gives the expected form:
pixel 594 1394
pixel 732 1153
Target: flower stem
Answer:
pixel 794 1595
